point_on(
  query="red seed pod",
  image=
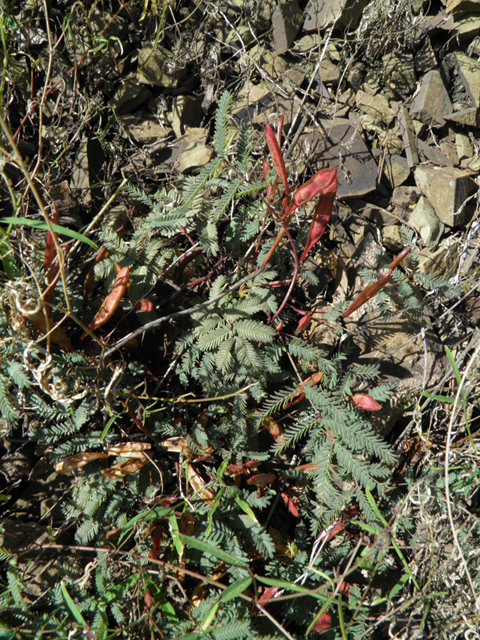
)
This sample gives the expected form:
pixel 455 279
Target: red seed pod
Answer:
pixel 365 402
pixel 322 216
pixel 324 622
pixel 323 180
pixel 112 301
pixel 277 156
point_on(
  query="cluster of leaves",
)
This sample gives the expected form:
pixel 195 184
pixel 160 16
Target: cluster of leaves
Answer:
pixel 241 451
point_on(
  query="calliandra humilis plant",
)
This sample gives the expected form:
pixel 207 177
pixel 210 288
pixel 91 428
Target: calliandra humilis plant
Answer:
pixel 324 182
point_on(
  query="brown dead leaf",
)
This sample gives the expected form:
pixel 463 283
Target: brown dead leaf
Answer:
pixel 198 485
pixel 78 461
pixel 130 449
pixel 124 468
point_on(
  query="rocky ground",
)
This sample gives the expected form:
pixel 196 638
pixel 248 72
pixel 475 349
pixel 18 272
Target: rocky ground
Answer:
pixel 387 91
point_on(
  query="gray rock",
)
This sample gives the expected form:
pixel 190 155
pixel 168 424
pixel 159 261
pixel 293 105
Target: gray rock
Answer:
pixel 447 189
pixel 193 152
pixel 469 71
pixel 404 199
pixel 462 6
pixel 464 146
pixel 376 106
pixel 129 96
pixel 466 27
pixel 186 112
pixel 159 67
pixel 399 69
pixel 425 59
pixel 329 72
pixel 286 22
pixel 433 154
pixel 408 134
pixel 432 102
pixel 426 222
pixel 343 147
pixel 392 238
pixel 321 14
pixel 396 169
pixel 467 117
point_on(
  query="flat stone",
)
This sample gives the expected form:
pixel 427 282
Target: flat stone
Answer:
pixel 129 96
pixel 462 6
pixel 378 215
pixel 321 14
pixel 193 150
pixel 159 67
pixel 425 59
pixel 405 198
pixel 469 71
pixel 329 72
pixel 143 130
pixel 408 134
pixel 426 222
pixel 466 27
pixel 396 169
pixel 390 142
pixel 447 189
pixel 466 117
pixel 432 102
pixel 376 106
pixel 464 146
pixel 399 69
pixel 340 146
pixel 286 22
pixel 433 154
pixel 392 238
pixel 186 112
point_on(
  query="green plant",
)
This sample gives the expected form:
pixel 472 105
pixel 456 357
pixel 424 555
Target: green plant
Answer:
pixel 215 454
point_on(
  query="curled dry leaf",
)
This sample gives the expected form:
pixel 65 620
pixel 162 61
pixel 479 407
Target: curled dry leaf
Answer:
pixel 124 468
pixel 198 484
pixel 39 320
pixel 179 444
pixel 130 449
pixel 78 461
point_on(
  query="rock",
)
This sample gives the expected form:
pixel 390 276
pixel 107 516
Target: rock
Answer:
pixel 408 134
pixel 466 27
pixel 272 64
pixel 466 117
pixel 469 71
pixel 378 215
pixel 340 146
pixel 159 67
pixel 376 106
pixel 399 69
pixel 193 150
pixel 251 99
pixel 306 43
pixel 390 142
pixel 464 146
pixel 329 72
pixel 355 76
pixel 472 164
pixel 426 222
pixel 425 59
pixel 321 14
pixel 457 6
pixel 396 169
pixel 447 189
pixel 286 22
pixel 392 238
pixel 432 102
pixel 404 199
pixel 143 130
pixel 186 112
pixel 129 96
pixel 433 154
